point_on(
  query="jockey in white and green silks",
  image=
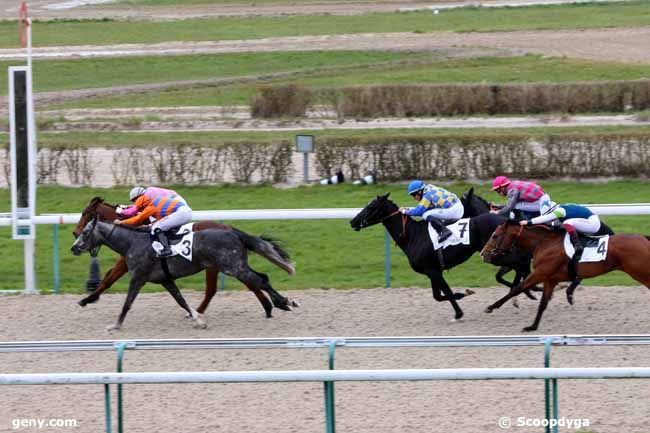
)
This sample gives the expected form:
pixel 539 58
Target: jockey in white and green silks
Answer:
pixel 436 205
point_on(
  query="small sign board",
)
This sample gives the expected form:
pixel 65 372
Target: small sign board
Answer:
pixel 305 143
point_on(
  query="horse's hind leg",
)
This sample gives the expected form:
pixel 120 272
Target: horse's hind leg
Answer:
pixel 278 300
pixel 210 289
pixel 176 293
pixel 113 274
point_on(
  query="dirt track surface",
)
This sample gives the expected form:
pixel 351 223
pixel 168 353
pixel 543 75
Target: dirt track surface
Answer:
pixel 53 9
pixel 616 44
pixel 610 405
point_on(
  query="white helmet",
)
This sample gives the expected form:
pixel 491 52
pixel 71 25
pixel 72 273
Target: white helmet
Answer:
pixel 136 192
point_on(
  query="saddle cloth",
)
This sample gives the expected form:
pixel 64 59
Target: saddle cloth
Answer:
pixel 459 234
pixel 595 248
pixel 180 242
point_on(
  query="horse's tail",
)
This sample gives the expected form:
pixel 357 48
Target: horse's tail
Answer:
pixel 269 249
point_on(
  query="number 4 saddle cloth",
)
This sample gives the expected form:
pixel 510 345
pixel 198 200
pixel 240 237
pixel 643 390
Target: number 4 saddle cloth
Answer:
pixel 460 234
pixel 595 247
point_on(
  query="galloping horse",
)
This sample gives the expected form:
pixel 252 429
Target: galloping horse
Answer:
pixel 413 238
pixel 211 249
pixel 477 205
pixel 627 253
pixel 106 212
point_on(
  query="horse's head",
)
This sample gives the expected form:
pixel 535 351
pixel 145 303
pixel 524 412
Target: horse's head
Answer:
pixel 87 240
pixel 96 208
pixel 502 241
pixel 474 205
pixel 376 211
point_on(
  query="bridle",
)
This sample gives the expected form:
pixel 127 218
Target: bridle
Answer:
pixel 405 219
pixel 500 252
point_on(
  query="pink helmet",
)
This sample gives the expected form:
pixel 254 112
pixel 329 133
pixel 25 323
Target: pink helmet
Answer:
pixel 499 181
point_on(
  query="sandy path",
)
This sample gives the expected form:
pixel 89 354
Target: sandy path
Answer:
pixel 611 406
pixel 615 44
pixel 58 9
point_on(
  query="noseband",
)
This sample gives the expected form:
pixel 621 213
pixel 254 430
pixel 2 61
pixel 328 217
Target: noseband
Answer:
pixel 500 252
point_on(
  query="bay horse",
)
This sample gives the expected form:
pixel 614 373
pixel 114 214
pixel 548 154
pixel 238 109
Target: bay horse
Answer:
pixel 211 249
pixel 629 253
pixel 413 239
pixel 476 205
pixel 98 208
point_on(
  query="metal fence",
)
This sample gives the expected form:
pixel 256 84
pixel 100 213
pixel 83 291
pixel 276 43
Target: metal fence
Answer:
pixel 328 377
pixel 284 214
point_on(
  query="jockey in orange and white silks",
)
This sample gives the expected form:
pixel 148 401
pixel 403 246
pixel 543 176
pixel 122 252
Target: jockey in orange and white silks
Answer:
pixel 522 195
pixel 166 206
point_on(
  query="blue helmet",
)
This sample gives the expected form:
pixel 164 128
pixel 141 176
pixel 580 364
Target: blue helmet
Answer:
pixel 415 186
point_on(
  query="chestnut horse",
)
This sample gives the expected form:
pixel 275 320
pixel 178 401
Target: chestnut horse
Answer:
pixel 106 212
pixel 629 253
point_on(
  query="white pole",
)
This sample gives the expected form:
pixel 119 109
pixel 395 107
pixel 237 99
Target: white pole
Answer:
pixel 28 22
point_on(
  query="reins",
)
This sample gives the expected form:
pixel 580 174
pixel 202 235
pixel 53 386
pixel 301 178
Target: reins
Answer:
pixel 402 235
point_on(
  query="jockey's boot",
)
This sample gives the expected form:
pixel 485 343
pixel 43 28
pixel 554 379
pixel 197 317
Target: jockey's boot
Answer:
pixel 439 226
pixel 577 246
pixel 162 238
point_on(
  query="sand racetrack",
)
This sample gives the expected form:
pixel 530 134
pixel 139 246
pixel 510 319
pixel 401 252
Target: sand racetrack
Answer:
pixel 610 405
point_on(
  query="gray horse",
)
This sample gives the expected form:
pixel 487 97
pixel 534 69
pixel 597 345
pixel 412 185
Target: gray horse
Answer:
pixel 212 249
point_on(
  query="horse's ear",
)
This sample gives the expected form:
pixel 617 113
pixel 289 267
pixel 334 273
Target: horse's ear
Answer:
pixel 385 196
pixel 470 193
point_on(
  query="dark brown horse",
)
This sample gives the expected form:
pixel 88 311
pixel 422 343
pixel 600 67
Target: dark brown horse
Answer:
pixel 627 253
pixel 106 212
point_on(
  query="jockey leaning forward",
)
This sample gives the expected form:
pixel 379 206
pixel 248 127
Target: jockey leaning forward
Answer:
pixel 574 218
pixel 166 206
pixel 524 196
pixel 436 205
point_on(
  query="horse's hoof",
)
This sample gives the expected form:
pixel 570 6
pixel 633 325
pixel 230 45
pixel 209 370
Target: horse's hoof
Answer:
pixel 295 304
pixel 529 329
pixel 455 320
pixel 113 327
pixel 489 310
pixel 200 324
pixel 515 303
pixel 469 292
pixel 569 300
pixel 82 303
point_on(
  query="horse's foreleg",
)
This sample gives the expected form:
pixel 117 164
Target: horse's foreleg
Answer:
pixel 546 296
pixel 134 288
pixel 439 284
pixel 113 274
pixel 530 281
pixel 571 289
pixel 173 290
pixel 210 289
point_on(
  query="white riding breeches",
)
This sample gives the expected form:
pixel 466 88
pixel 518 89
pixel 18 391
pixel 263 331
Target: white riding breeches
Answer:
pixel 532 206
pixel 453 213
pixel 182 216
pixel 588 226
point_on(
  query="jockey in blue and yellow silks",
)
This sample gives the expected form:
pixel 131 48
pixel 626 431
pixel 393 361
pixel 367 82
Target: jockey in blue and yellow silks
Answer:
pixel 436 205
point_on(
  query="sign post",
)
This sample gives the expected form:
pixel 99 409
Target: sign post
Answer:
pixel 305 145
pixel 22 149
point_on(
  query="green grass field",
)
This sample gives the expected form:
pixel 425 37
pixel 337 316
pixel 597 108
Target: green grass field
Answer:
pixel 328 253
pixel 106 32
pixel 311 69
pixel 142 139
